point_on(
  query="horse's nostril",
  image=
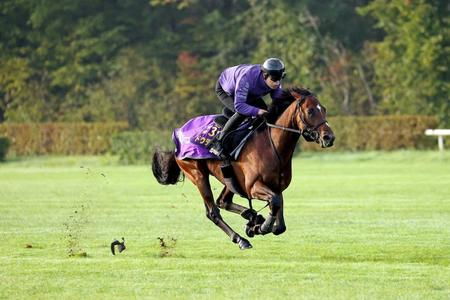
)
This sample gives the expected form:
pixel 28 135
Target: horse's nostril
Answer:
pixel 331 141
pixel 328 140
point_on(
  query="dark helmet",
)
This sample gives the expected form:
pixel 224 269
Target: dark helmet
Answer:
pixel 274 67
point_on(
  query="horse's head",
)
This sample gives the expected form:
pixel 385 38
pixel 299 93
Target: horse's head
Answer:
pixel 310 117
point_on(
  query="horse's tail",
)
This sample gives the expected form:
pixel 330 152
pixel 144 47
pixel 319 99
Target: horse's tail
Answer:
pixel 165 168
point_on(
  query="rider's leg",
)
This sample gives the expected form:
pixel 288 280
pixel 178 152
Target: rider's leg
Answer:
pixel 237 118
pixel 227 112
pixel 226 99
pixel 231 124
pixel 234 118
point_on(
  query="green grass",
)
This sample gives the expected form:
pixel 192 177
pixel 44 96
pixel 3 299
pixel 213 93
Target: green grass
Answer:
pixel 359 225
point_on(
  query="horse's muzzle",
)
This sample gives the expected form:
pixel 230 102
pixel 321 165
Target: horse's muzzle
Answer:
pixel 327 140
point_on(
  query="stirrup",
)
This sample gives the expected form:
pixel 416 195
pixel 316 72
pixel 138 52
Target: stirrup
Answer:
pixel 217 149
pixel 218 153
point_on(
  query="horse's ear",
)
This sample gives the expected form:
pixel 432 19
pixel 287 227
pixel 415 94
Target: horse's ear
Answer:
pixel 296 95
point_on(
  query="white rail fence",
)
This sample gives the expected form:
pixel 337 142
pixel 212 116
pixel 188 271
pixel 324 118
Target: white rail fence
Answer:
pixel 440 133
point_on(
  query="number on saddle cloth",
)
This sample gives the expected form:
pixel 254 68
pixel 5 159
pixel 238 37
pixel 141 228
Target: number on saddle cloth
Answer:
pixel 210 132
pixel 207 135
pixel 233 142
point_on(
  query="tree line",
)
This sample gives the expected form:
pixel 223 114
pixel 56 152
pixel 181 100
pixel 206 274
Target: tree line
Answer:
pixel 154 63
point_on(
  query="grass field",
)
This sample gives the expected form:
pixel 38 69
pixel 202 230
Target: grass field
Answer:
pixel 362 225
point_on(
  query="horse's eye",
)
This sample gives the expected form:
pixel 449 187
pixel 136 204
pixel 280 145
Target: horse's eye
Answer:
pixel 311 112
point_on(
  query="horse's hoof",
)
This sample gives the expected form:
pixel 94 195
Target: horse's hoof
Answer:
pixel 244 244
pixel 278 230
pixel 249 231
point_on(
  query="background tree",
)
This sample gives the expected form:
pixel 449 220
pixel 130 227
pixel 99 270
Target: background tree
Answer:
pixel 411 62
pixel 154 63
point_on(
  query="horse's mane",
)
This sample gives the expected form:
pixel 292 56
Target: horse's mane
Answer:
pixel 279 105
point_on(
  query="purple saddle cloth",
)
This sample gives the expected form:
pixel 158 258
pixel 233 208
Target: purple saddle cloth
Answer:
pixel 192 138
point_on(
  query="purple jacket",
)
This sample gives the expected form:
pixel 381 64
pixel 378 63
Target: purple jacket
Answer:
pixel 246 82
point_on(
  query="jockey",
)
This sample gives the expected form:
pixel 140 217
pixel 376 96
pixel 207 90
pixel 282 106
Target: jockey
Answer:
pixel 241 88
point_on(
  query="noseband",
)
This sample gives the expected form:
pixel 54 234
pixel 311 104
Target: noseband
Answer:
pixel 309 132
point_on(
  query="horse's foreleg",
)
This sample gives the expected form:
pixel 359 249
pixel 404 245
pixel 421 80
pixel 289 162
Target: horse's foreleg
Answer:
pixel 262 192
pixel 279 226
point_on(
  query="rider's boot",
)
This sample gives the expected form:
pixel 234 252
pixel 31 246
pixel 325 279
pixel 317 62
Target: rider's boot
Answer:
pixel 232 123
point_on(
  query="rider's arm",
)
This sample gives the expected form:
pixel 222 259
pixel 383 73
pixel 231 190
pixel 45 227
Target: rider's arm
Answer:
pixel 240 99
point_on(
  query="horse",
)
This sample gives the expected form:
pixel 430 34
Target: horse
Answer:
pixel 263 169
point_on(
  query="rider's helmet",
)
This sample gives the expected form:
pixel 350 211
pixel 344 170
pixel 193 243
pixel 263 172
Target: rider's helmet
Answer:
pixel 274 67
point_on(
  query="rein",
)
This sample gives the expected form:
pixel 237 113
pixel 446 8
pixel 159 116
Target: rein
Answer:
pixel 308 128
pixel 284 128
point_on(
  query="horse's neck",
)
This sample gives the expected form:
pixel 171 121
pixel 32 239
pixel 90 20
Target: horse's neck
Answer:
pixel 284 140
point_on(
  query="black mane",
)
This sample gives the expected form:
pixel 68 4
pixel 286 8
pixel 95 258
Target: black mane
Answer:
pixel 279 105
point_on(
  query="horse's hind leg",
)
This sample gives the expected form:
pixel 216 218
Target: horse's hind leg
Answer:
pixel 225 201
pixel 213 213
pixel 200 178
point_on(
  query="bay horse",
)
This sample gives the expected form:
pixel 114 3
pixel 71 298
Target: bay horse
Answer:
pixel 264 168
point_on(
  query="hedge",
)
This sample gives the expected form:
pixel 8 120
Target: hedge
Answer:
pixel 138 146
pixel 4 146
pixel 60 138
pixel 378 133
pixel 352 134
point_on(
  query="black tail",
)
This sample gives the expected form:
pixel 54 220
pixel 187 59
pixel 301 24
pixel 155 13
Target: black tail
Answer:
pixel 165 168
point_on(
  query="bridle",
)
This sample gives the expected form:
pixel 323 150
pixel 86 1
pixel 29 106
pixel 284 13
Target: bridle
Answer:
pixel 309 131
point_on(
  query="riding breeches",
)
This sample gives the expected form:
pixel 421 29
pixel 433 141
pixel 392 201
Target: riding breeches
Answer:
pixel 234 118
pixel 228 101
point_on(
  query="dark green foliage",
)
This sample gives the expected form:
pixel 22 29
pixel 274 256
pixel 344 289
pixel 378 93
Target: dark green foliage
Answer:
pixel 138 146
pixel 411 62
pixel 154 63
pixel 4 146
pixel 340 20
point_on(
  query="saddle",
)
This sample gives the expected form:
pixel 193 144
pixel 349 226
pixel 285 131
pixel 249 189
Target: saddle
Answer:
pixel 235 140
